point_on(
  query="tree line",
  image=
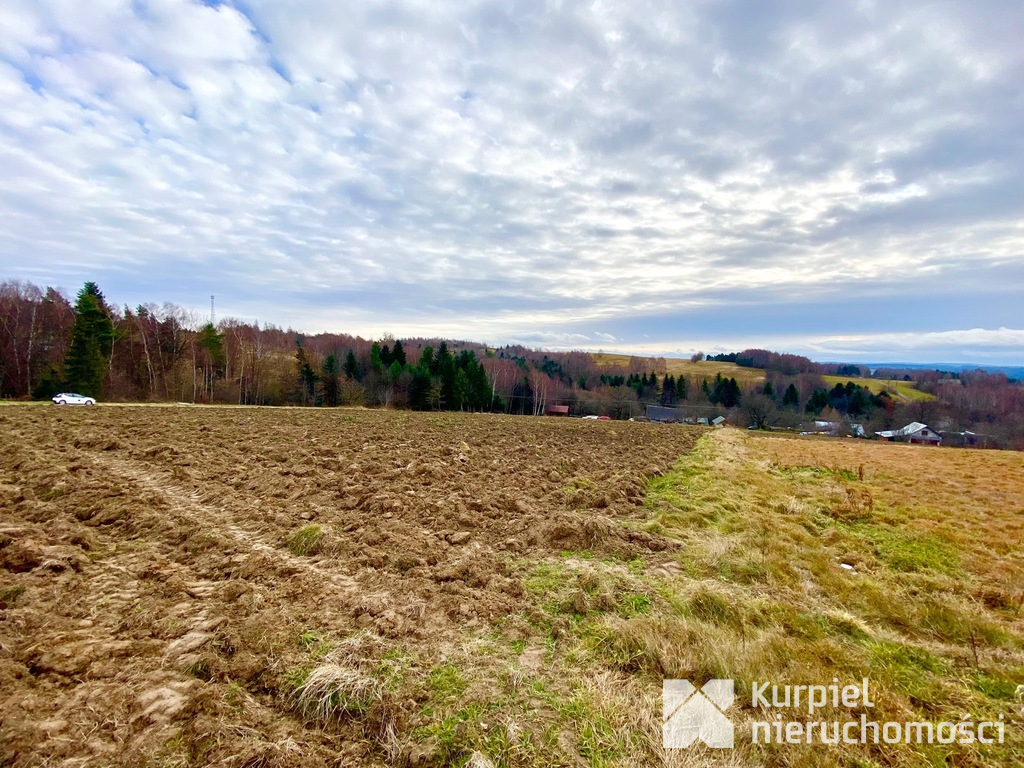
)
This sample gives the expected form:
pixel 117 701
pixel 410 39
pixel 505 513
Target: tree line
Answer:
pixel 162 352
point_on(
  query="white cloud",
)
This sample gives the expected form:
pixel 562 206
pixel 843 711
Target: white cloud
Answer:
pixel 493 169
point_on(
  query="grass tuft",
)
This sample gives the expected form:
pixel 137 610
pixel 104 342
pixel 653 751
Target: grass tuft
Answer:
pixel 308 540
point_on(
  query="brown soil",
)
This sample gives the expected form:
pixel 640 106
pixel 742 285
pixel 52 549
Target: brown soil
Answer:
pixel 157 591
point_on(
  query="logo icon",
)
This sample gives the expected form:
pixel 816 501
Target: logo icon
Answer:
pixel 689 714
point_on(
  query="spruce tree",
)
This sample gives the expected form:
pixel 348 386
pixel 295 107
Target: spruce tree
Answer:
pixel 427 361
pixel 398 353
pixel 668 390
pixel 91 340
pixel 351 367
pixel 307 376
pixel 329 372
pixel 681 385
pixel 791 398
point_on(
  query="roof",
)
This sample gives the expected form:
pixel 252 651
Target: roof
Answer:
pixel 911 429
pixel 857 430
pixel 718 419
pixel 662 413
pixel 558 409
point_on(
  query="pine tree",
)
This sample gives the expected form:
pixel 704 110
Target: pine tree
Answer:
pixel 92 338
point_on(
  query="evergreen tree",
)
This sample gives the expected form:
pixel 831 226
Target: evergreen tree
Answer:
pixel 726 392
pixel 419 389
pixel 791 398
pixel 213 343
pixel 398 353
pixel 860 402
pixel 351 367
pixel 681 388
pixel 768 391
pixel 446 371
pixel 668 390
pixel 394 371
pixel 92 338
pixel 329 374
pixel 307 376
pixel 461 389
pixel 481 388
pixel 818 401
pixel 426 363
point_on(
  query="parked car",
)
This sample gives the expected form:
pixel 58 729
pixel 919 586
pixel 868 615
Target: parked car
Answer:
pixel 70 398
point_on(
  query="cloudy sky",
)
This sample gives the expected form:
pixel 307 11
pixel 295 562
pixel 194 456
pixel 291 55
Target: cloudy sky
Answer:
pixel 844 180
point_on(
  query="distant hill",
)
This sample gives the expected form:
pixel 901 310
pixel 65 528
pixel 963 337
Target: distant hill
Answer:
pixel 1012 371
pixel 906 390
pixel 680 366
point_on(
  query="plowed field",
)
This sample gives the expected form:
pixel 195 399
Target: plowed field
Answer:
pixel 249 587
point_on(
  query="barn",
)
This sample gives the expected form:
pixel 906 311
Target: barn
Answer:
pixel 914 432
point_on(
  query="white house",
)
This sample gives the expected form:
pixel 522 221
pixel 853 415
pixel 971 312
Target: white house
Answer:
pixel 914 432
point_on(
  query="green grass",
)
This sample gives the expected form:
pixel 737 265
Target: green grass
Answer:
pixel 315 644
pixel 306 541
pixel 907 551
pixel 446 682
pixel 905 390
pixel 761 596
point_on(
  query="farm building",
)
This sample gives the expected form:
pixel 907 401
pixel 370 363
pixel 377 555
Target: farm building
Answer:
pixel 914 432
pixel 834 428
pixel 662 413
pixel 557 410
pixel 965 439
pixel 719 421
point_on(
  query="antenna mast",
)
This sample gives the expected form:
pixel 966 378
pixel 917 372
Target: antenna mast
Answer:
pixel 213 315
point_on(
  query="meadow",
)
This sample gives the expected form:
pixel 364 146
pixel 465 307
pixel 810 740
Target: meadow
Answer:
pixel 297 587
pixel 905 390
pixel 677 366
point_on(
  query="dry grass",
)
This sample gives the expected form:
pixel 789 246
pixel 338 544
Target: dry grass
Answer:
pixel 706 369
pixel 332 690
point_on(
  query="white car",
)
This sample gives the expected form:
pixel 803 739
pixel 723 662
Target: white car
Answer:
pixel 70 398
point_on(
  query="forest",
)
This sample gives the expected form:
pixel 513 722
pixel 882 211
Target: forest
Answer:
pixel 165 353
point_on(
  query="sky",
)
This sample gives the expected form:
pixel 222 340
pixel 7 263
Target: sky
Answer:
pixel 842 180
